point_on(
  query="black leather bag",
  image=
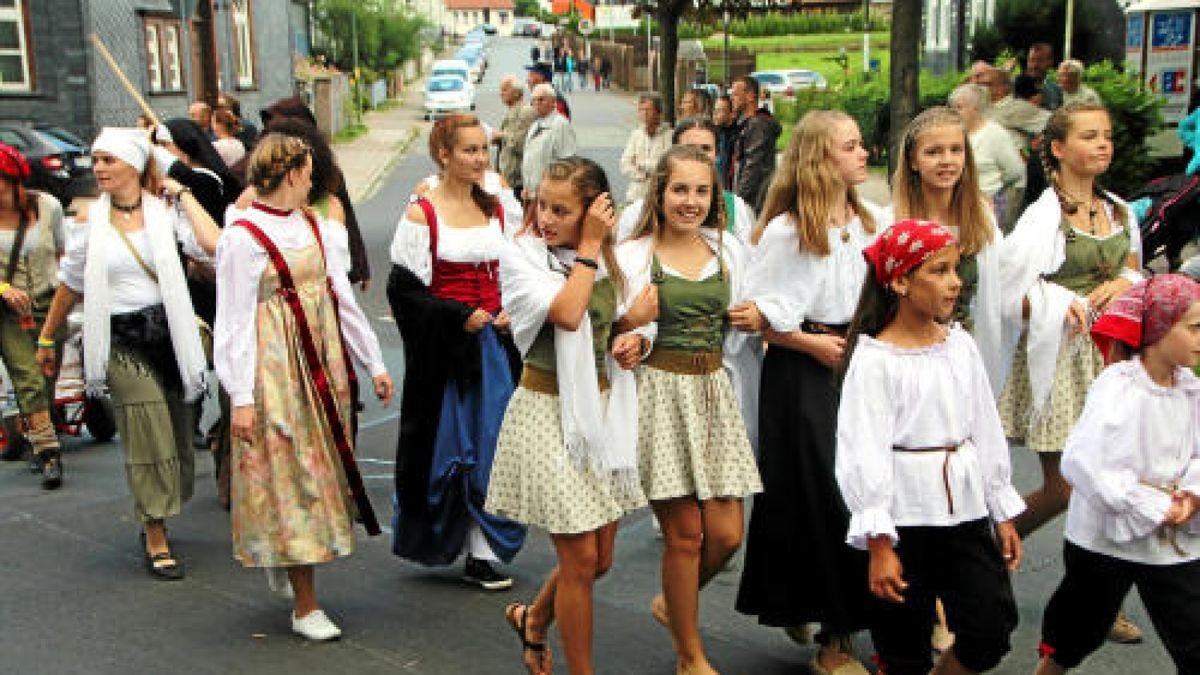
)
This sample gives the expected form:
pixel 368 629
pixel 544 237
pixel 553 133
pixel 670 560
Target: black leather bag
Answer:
pixel 146 329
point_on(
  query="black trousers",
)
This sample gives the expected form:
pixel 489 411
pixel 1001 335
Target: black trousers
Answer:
pixel 962 565
pixel 1087 600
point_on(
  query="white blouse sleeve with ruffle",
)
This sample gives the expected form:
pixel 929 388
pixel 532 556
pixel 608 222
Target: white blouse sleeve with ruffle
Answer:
pixel 410 248
pixel 865 431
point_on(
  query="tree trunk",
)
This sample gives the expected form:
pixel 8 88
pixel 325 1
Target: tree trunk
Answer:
pixel 905 85
pixel 667 15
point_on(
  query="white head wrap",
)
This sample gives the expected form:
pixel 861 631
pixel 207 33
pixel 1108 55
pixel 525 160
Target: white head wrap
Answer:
pixel 128 145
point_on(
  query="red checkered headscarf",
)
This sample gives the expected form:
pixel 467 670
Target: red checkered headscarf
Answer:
pixel 13 164
pixel 1146 312
pixel 904 246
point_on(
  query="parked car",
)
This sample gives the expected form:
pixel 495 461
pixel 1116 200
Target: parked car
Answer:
pixel 775 82
pixel 488 29
pixel 456 67
pixel 526 27
pixel 61 134
pixel 447 94
pixel 807 79
pixel 475 61
pixel 60 168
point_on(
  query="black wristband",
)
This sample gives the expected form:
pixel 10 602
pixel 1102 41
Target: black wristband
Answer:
pixel 587 262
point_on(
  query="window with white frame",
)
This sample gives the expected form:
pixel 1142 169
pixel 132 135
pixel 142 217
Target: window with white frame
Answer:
pixel 172 72
pixel 243 42
pixel 153 58
pixel 15 53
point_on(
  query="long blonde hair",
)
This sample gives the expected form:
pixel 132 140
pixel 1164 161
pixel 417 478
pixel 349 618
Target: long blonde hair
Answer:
pixel 652 218
pixel 807 183
pixel 968 211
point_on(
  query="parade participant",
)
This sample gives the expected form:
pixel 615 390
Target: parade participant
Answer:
pixel 804 288
pixel 917 418
pixel 445 297
pixel 566 460
pixel 1133 461
pixel 287 325
pixel 998 165
pixel 936 180
pixel 140 336
pixel 695 457
pixel 31 236
pixel 700 133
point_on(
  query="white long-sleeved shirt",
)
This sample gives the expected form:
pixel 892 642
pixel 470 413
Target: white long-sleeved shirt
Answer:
pixel 1134 437
pixel 640 157
pixel 998 164
pixel 927 397
pixel 240 265
pixel 790 286
pixel 410 245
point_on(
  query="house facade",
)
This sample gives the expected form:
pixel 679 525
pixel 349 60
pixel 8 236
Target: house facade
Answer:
pixel 171 51
pixel 460 16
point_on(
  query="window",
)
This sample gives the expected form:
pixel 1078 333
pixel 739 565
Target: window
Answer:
pixel 243 43
pixel 16 62
pixel 163 70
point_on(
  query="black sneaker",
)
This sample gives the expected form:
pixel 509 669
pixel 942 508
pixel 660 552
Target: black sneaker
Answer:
pixel 480 573
pixel 49 464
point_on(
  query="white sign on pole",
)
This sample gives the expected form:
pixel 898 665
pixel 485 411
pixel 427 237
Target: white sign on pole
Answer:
pixel 586 27
pixel 615 16
pixel 1169 61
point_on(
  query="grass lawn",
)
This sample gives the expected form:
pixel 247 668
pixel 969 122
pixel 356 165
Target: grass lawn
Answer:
pixel 833 40
pixel 819 61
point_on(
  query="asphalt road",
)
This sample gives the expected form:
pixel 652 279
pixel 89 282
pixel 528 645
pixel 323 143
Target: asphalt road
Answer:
pixel 74 598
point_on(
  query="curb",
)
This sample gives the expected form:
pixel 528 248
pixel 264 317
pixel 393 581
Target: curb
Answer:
pixel 398 151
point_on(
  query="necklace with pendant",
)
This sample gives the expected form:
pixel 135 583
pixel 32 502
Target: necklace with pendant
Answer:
pixel 128 210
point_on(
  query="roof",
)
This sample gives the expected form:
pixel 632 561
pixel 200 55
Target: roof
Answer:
pixel 480 4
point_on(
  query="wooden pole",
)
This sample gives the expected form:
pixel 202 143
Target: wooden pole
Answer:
pixel 112 63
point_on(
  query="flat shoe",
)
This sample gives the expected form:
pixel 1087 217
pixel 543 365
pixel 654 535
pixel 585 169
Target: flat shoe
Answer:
pixel 162 572
pixel 316 627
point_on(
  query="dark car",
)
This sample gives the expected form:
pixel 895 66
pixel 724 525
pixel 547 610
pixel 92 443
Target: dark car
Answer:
pixel 489 29
pixel 57 166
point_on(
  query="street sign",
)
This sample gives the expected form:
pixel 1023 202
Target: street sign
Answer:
pixel 586 26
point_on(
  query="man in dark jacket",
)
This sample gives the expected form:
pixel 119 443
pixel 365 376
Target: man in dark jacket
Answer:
pixel 752 161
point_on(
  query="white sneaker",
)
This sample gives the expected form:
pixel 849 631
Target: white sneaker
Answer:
pixel 278 582
pixel 316 626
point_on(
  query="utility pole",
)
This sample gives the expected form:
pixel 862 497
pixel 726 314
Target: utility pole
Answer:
pixel 354 49
pixel 866 39
pixel 1070 29
pixel 726 17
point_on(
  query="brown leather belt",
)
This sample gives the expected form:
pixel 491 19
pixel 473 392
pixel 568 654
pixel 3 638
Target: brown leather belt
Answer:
pixel 684 362
pixel 949 450
pixel 818 328
pixel 545 382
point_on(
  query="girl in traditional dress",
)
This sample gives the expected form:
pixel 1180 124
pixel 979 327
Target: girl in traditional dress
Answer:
pixel 803 288
pixel 567 455
pixel 444 292
pixel 287 325
pixel 140 336
pixel 31 229
pixel 923 463
pixel 936 180
pixel 1133 460
pixel 695 457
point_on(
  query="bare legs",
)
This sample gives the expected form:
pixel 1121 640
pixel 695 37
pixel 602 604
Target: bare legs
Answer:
pixel 699 537
pixel 1047 501
pixel 304 586
pixel 566 595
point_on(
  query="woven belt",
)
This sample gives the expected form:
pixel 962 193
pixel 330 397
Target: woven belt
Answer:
pixel 949 450
pixel 545 382
pixel 683 362
pixel 1167 533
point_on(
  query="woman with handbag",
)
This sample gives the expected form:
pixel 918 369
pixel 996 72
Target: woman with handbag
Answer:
pixel 140 336
pixel 31 234
pixel 287 325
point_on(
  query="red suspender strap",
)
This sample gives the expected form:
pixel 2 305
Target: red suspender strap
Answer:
pixel 320 379
pixel 431 222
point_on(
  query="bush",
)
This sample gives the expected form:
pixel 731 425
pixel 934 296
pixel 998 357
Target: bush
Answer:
pixel 1136 115
pixel 775 23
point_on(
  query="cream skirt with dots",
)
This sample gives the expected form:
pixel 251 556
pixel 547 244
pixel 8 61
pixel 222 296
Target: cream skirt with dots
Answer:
pixel 532 480
pixel 691 438
pixel 1079 362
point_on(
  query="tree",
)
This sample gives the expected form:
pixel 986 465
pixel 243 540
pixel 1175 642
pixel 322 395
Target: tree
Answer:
pixel 1098 35
pixel 905 70
pixel 386 31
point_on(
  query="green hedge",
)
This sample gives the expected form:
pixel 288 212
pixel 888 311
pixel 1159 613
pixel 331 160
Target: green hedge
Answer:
pixel 775 23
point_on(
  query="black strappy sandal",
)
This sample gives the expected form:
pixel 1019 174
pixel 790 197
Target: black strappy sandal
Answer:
pixel 169 572
pixel 538 648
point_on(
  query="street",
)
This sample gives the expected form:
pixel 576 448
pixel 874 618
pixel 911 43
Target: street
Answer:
pixel 74 597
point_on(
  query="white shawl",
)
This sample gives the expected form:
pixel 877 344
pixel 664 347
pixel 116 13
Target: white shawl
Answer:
pixel 1036 248
pixel 602 441
pixel 164 259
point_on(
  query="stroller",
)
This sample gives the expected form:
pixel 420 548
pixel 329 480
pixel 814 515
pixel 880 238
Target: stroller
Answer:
pixel 1168 211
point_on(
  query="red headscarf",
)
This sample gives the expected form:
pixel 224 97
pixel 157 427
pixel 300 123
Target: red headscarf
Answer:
pixel 13 164
pixel 1145 313
pixel 904 246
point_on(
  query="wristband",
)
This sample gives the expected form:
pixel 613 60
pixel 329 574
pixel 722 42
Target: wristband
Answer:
pixel 587 262
pixel 48 344
pixel 4 287
pixel 183 191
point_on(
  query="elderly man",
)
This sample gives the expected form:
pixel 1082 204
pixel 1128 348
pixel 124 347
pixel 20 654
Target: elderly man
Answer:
pixel 550 137
pixel 510 137
pixel 200 113
pixel 541 73
pixel 1038 63
pixel 646 145
pixel 1020 115
pixel 1000 169
pixel 752 161
pixel 1070 79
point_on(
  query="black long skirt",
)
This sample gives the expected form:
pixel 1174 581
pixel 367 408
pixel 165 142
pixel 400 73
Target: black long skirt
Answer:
pixel 798 568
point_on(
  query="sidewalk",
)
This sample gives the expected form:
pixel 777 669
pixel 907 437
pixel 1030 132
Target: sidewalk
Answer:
pixel 367 159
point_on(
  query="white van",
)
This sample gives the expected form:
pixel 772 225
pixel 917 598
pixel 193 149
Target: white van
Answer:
pixel 456 68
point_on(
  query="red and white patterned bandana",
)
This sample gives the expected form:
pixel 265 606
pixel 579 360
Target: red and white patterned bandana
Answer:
pixel 1146 312
pixel 13 164
pixel 904 246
